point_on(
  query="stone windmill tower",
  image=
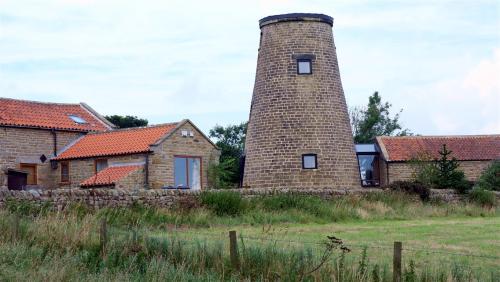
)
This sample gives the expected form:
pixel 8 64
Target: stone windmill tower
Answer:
pixel 299 135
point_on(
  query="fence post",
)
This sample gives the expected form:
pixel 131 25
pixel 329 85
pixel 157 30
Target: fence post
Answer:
pixel 233 250
pixel 396 262
pixel 103 235
pixel 15 227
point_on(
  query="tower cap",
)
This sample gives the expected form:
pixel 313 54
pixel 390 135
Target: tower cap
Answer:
pixel 296 17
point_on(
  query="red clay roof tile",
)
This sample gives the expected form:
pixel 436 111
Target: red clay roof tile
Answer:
pixel 48 115
pixel 117 142
pixel 467 147
pixel 109 176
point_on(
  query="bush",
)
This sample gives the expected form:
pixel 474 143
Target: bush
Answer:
pixel 223 202
pixel 412 187
pixel 490 179
pixel 221 175
pixel 483 197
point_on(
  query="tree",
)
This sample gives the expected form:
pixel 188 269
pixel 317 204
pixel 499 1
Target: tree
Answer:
pixel 375 120
pixel 126 121
pixel 231 141
pixel 447 174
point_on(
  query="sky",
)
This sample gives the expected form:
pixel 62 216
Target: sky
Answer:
pixel 438 61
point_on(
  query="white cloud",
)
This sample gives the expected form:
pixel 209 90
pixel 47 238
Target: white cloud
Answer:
pixel 165 59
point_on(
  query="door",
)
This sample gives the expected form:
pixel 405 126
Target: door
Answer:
pixel 30 169
pixel 16 180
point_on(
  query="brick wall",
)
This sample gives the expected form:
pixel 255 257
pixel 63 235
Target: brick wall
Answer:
pixel 293 114
pixel 24 145
pixel 161 162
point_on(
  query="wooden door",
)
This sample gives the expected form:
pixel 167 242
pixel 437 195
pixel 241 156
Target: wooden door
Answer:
pixel 31 170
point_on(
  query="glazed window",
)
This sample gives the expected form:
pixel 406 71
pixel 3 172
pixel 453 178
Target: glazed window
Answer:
pixel 77 119
pixel 64 172
pixel 304 66
pixel 309 161
pixel 187 172
pixel 100 164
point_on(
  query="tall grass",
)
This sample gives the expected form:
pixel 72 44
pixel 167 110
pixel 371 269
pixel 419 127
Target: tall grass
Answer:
pixel 227 208
pixel 65 246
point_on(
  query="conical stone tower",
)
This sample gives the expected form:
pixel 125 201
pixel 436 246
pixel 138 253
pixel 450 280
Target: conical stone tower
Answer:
pixel 299 135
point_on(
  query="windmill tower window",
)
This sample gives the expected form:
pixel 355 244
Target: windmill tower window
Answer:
pixel 304 66
pixel 309 161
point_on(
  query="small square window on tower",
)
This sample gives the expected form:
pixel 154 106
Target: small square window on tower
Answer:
pixel 304 66
pixel 309 161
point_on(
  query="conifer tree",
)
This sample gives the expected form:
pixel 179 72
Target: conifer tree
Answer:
pixel 448 174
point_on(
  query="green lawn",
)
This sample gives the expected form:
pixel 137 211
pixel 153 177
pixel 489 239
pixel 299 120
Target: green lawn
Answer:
pixel 426 241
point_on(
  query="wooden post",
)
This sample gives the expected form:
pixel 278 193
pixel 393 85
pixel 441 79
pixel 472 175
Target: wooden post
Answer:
pixel 396 262
pixel 103 232
pixel 233 250
pixel 15 227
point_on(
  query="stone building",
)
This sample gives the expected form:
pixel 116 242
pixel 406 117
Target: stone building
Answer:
pixel 172 155
pixel 299 135
pixel 31 133
pixel 393 158
pixel 52 145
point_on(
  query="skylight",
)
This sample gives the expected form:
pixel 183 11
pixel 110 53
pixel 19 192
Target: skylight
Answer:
pixel 77 119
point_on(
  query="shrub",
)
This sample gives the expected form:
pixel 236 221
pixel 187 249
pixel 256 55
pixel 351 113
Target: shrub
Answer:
pixel 483 197
pixel 27 208
pixel 223 202
pixel 412 187
pixel 490 178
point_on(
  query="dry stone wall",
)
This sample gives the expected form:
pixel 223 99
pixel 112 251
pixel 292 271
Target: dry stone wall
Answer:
pixel 99 198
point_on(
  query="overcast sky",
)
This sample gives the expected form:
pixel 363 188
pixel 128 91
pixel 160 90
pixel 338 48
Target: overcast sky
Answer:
pixel 169 60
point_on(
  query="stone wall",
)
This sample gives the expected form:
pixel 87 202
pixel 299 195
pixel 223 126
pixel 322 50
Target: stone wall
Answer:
pixel 25 145
pixel 406 171
pixel 99 198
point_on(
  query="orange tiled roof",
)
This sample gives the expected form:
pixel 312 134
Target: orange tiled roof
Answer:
pixel 116 142
pixel 109 176
pixel 49 115
pixel 468 147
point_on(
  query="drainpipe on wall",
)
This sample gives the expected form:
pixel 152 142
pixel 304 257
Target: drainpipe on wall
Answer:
pixel 146 172
pixel 54 136
pixel 387 171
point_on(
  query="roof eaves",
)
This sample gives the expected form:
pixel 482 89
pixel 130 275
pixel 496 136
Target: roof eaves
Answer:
pixel 102 155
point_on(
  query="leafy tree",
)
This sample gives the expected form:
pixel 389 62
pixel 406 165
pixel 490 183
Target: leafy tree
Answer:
pixel 126 121
pixel 375 120
pixel 231 141
pixel 490 178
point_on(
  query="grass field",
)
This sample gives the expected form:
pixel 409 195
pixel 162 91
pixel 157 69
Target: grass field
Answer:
pixel 280 238
pixel 472 240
